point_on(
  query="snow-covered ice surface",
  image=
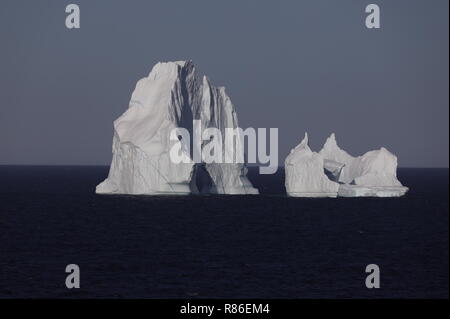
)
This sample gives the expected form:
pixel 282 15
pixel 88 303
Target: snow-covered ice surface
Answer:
pixel 305 175
pixel 373 174
pixel 171 96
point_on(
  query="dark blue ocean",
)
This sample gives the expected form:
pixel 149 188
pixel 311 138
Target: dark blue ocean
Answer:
pixel 267 246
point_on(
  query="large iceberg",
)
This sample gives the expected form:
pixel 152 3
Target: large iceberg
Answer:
pixel 172 97
pixel 305 176
pixel 372 174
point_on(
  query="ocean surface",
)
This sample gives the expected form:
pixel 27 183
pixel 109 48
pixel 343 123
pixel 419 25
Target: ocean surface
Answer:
pixel 267 246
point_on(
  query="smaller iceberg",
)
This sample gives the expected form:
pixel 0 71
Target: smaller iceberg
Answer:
pixel 305 176
pixel 373 174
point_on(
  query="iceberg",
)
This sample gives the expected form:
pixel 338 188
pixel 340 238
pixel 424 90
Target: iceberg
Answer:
pixel 305 176
pixel 171 97
pixel 373 174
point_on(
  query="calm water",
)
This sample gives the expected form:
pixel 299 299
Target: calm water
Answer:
pixel 218 246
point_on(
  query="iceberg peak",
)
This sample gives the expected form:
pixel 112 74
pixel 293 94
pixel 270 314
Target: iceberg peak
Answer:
pixel 305 140
pixel 303 144
pixel 332 151
pixel 331 143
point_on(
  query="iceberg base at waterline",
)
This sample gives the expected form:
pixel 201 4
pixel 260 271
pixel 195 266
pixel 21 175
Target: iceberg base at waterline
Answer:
pixel 348 190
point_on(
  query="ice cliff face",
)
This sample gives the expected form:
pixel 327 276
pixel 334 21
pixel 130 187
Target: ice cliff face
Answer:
pixel 305 175
pixel 332 152
pixel 171 97
pixel 372 174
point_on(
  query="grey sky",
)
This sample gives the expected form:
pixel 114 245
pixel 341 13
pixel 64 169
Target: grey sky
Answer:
pixel 296 65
